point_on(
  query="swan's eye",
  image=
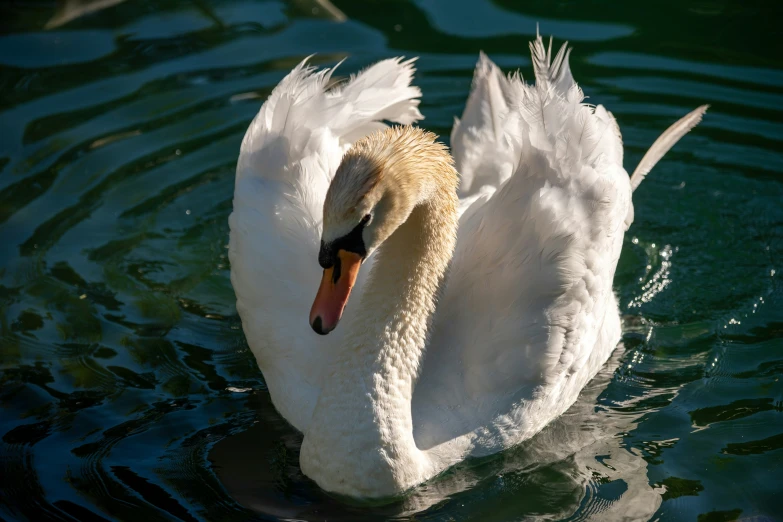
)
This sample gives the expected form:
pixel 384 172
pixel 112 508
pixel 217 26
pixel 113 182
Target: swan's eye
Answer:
pixel 366 219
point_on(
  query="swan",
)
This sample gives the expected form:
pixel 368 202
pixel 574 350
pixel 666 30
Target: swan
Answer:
pixel 475 291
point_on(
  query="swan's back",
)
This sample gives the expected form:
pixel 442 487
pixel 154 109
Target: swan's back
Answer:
pixel 288 157
pixel 528 314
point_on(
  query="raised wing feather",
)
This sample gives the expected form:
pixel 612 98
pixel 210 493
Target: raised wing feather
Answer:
pixel 287 160
pixel 530 283
pixel 479 144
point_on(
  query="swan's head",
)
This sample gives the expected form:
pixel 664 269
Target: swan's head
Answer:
pixel 379 182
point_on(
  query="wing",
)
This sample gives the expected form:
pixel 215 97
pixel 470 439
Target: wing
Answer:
pixel 530 282
pixel 286 162
pixel 481 152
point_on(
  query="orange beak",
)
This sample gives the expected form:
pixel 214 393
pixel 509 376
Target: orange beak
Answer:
pixel 334 291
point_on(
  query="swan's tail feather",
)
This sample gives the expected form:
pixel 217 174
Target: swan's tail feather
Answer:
pixel 665 142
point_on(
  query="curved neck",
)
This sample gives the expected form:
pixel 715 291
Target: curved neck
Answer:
pixel 365 403
pixel 401 295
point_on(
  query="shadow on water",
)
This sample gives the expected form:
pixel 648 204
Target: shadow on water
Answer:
pixel 127 390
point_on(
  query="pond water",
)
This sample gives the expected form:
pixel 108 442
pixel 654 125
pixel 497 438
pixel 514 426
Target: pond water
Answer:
pixel 127 390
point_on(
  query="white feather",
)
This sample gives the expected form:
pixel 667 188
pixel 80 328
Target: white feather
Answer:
pixel 665 142
pixel 481 130
pixel 287 159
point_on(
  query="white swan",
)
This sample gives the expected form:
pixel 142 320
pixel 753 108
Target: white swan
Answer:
pixel 462 342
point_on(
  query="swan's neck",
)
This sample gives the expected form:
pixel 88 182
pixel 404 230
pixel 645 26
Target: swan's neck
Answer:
pixel 361 433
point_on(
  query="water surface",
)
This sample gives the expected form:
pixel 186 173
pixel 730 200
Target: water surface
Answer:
pixel 127 390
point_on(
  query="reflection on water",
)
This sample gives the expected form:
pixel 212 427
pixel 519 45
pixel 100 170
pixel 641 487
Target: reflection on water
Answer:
pixel 576 465
pixel 126 386
pixel 69 10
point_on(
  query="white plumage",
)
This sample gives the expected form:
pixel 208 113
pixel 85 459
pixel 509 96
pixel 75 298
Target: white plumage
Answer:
pixel 526 316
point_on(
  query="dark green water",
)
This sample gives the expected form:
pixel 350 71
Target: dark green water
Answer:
pixel 127 390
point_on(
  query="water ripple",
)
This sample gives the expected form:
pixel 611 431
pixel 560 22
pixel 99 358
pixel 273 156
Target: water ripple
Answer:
pixel 126 385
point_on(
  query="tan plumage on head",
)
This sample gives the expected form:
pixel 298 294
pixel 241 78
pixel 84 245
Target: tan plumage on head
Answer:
pixel 387 174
